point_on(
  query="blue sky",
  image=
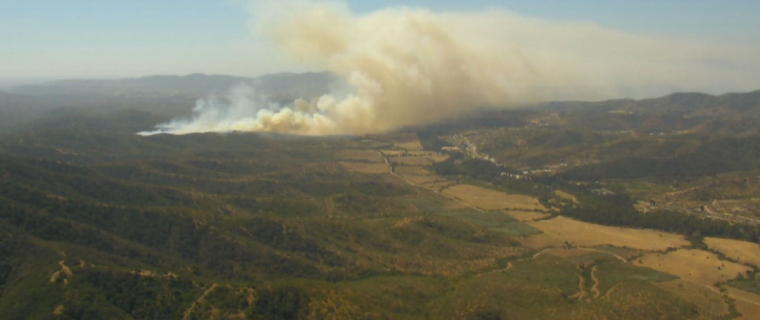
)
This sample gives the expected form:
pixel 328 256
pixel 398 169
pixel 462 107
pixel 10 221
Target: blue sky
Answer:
pixel 723 19
pixel 50 39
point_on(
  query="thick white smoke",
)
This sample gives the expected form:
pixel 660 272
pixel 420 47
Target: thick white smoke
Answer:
pixel 412 66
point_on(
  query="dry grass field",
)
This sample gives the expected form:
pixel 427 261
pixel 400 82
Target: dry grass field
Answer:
pixel 565 195
pixel 487 199
pixel 414 171
pixel 705 298
pixel 359 155
pixel 696 265
pixel 360 167
pixel 747 303
pixel 408 141
pixel 742 251
pixel 439 185
pixel 393 153
pixel 626 254
pixel 413 145
pixel 589 235
pixel 527 215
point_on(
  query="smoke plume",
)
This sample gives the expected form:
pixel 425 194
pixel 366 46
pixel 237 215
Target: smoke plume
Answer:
pixel 407 66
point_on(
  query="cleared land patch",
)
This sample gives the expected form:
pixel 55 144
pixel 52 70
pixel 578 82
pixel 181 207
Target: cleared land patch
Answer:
pixel 742 251
pixel 701 296
pixel 589 235
pixel 695 265
pixel 488 199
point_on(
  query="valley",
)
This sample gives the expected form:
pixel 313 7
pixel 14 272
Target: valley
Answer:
pixel 501 215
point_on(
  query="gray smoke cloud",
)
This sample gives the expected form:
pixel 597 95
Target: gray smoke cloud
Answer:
pixel 407 66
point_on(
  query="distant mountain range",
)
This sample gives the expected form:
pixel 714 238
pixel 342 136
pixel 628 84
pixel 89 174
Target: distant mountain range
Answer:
pixel 171 95
pixel 685 104
pixel 197 85
pixel 167 95
pixel 733 113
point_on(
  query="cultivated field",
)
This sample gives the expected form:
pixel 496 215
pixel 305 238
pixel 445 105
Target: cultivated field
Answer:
pixel 487 199
pixel 411 161
pixel 589 235
pixel 407 141
pixel 696 265
pixel 413 145
pixel 359 155
pixel 360 167
pixel 433 156
pixel 699 295
pixel 742 251
pixel 393 153
pixel 414 171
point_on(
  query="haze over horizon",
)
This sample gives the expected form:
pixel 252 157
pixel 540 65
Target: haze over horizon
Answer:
pixel 49 40
pixel 409 66
pixel 403 63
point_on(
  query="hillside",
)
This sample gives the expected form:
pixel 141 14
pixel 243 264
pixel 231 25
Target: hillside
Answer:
pixel 98 222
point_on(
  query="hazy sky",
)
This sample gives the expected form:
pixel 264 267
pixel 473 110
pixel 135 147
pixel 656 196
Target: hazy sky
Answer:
pixel 44 39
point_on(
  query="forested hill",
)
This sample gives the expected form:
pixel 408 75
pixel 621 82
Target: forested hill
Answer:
pixel 728 113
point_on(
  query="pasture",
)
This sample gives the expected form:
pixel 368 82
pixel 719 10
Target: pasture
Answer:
pixel 488 199
pixel 590 235
pixel 742 251
pixel 707 299
pixel 695 265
